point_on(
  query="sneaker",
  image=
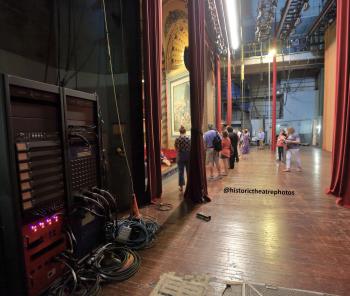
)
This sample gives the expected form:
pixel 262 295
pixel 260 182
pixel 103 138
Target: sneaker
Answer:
pixel 286 170
pixel 299 170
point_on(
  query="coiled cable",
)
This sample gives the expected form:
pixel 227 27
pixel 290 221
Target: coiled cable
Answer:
pixel 142 234
pixel 115 263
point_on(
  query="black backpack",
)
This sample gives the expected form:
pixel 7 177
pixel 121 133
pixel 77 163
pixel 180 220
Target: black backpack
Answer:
pixel 217 145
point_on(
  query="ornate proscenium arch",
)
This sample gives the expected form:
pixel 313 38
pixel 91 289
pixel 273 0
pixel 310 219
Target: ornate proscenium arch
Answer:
pixel 176 34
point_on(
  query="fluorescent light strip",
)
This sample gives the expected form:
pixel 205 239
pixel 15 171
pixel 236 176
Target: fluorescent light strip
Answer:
pixel 232 15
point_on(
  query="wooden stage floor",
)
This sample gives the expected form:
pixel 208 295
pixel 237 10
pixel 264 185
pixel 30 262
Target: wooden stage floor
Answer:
pixel 300 241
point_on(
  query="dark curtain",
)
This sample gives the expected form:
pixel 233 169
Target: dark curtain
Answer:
pixel 196 189
pixel 152 48
pixel 340 183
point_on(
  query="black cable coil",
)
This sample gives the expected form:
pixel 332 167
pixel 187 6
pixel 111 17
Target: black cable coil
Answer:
pixel 115 263
pixel 108 263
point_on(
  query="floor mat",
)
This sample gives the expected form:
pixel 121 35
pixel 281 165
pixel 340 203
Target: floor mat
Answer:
pixel 171 284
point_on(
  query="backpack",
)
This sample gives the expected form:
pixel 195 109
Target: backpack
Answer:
pixel 217 145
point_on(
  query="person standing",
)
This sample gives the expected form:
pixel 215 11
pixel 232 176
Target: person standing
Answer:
pixel 293 142
pixel 261 138
pixel 183 147
pixel 280 145
pixel 226 151
pixel 239 134
pixel 240 141
pixel 234 143
pixel 245 143
pixel 211 143
pixel 284 146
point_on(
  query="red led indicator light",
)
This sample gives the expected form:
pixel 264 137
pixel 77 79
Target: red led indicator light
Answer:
pixel 43 224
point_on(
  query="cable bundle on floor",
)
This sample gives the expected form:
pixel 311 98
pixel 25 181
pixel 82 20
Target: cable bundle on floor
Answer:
pixel 77 285
pixel 115 263
pixel 136 233
pixel 78 281
pixel 110 262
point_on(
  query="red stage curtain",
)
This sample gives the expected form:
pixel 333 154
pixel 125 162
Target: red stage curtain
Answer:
pixel 229 90
pixel 340 183
pixel 196 189
pixel 218 95
pixel 152 47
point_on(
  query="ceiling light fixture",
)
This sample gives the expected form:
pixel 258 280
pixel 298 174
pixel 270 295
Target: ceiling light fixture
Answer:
pixel 272 52
pixel 233 21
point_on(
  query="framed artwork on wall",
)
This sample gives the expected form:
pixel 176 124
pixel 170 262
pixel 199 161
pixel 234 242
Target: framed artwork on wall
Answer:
pixel 180 113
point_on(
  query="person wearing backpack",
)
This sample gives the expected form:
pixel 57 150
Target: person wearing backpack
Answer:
pixel 213 146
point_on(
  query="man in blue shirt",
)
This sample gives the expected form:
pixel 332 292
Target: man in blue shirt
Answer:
pixel 211 155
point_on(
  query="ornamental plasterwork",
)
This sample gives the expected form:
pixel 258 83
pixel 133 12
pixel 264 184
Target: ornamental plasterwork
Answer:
pixel 173 17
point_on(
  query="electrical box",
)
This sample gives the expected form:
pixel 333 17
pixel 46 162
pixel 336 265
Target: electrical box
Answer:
pixel 50 151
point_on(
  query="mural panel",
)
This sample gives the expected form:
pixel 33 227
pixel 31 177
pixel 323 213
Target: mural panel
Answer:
pixel 180 104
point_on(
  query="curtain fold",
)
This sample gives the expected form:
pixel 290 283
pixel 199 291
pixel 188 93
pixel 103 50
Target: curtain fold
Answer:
pixel 340 181
pixel 152 48
pixel 218 94
pixel 229 90
pixel 196 189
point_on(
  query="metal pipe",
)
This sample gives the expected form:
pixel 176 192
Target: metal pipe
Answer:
pixel 319 19
pixel 274 94
pixel 283 18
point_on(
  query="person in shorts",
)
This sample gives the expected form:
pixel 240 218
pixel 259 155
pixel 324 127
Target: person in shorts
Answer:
pixel 211 155
pixel 261 138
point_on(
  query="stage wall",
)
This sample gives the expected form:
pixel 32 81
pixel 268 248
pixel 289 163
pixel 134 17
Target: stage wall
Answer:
pixel 329 87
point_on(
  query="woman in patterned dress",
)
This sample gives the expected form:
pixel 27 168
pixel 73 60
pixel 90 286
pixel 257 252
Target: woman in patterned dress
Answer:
pixel 245 144
pixel 183 147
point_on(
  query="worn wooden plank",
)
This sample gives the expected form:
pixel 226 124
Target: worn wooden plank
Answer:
pixel 296 242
